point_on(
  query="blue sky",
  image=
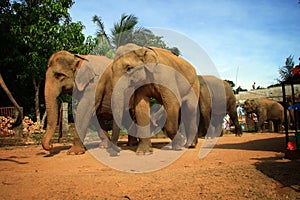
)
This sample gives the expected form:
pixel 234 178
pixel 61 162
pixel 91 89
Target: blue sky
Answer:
pixel 246 40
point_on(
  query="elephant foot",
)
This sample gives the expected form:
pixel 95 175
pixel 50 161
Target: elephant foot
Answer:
pixel 222 133
pixel 144 147
pixel 103 144
pixel 113 150
pixel 132 141
pixel 194 144
pixel 190 146
pixel 238 134
pixel 179 142
pixel 76 150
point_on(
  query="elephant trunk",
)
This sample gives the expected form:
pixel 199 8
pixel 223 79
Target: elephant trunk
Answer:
pixel 51 94
pixel 120 103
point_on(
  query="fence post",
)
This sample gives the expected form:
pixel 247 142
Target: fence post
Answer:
pixel 64 123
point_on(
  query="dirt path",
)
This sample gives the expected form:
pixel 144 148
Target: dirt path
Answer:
pixel 248 167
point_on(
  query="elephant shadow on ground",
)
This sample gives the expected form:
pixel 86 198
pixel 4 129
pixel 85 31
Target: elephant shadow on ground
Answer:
pixel 269 144
pixel 10 159
pixel 282 170
pixel 155 144
pixel 124 147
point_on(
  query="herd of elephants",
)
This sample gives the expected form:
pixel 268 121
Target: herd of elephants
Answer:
pixel 121 91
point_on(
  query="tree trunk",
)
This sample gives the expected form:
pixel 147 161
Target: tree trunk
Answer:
pixel 36 99
pixel 11 98
pixel 43 119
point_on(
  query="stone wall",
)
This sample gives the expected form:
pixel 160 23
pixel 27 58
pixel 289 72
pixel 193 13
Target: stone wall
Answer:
pixel 274 93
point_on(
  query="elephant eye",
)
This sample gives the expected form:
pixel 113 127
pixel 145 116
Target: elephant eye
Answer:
pixel 59 76
pixel 129 68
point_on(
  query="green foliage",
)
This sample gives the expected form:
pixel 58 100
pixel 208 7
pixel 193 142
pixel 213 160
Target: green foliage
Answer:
pixel 30 32
pixel 231 83
pixel 126 31
pixel 285 72
pixel 175 51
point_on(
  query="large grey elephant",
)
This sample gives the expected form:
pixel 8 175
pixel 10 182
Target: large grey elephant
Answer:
pixel 66 70
pixel 147 72
pixel 215 94
pixel 266 110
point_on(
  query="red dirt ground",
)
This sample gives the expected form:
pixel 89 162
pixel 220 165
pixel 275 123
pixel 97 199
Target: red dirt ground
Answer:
pixel 247 167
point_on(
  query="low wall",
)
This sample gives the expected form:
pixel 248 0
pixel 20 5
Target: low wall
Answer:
pixel 274 93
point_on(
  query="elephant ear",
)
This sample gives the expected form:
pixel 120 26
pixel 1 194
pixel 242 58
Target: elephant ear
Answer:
pixel 84 74
pixel 149 57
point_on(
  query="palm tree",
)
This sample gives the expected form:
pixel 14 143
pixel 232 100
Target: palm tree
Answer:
pixel 101 34
pixel 126 31
pixel 285 71
pixel 122 33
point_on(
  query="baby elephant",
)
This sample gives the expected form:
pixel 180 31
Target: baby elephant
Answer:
pixel 266 110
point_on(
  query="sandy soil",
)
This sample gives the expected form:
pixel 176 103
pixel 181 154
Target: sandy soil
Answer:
pixel 247 167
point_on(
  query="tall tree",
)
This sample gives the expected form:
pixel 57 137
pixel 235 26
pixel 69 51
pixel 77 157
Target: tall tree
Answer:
pixel 285 72
pixel 14 102
pixel 39 28
pixel 101 34
pixel 123 31
pixel 231 83
pixel 104 46
pixel 126 31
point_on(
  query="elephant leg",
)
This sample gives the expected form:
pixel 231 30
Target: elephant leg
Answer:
pixel 204 123
pixel 103 134
pixel 142 113
pixel 77 147
pixel 83 115
pixel 277 126
pixel 81 124
pixel 233 116
pixel 171 127
pixel 217 121
pixel 115 133
pixel 190 117
pixel 132 132
pixel 260 125
pixel 219 128
pixel 106 142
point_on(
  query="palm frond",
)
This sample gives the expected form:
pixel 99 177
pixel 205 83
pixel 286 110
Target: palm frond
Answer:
pixel 101 30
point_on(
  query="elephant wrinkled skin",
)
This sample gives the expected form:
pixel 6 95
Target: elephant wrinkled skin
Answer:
pixel 66 70
pixel 157 73
pixel 266 110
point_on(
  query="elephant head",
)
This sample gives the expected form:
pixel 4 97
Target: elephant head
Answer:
pixel 129 57
pixel 130 69
pixel 250 106
pixel 60 78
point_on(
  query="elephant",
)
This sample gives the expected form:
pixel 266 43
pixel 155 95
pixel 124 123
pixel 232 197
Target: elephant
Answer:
pixel 212 95
pixel 266 110
pixel 78 75
pixel 146 72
